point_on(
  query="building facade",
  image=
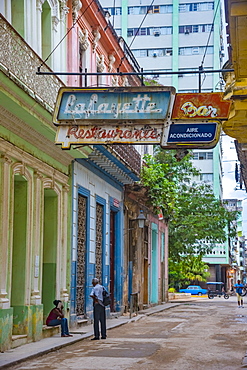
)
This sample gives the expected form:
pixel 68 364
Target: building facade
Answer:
pixel 61 212
pixel 179 36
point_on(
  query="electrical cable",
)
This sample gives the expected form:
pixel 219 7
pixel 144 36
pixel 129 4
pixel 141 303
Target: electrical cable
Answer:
pixel 148 8
pixel 209 36
pixel 65 35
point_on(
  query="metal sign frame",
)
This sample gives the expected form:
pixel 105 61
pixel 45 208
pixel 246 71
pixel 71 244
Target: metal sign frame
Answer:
pixel 113 105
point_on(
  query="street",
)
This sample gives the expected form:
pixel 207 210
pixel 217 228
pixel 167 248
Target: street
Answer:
pixel 201 334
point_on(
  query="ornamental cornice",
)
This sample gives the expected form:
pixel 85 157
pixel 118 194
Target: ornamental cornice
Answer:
pixel 76 6
pixel 20 128
pixel 39 4
pixel 5 159
pixel 100 63
pixel 111 59
pixel 97 36
pixel 66 188
pixel 83 39
pixel 55 22
pixel 64 9
pixel 32 162
pixel 38 175
pixel 114 81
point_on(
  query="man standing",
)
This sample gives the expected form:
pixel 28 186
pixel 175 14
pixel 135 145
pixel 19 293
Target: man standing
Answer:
pixel 239 291
pixel 98 310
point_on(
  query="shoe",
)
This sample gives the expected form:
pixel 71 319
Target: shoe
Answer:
pixel 63 335
pixel 242 306
pixel 69 335
pixel 103 337
pixel 95 338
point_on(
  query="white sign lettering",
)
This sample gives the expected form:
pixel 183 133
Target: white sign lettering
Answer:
pixel 191 110
pixel 138 104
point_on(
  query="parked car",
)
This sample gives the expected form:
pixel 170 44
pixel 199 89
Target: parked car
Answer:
pixel 194 290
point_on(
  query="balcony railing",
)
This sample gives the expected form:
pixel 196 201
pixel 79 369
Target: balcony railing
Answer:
pixel 129 155
pixel 19 61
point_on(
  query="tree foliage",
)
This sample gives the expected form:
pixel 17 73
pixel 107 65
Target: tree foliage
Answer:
pixel 190 269
pixel 197 219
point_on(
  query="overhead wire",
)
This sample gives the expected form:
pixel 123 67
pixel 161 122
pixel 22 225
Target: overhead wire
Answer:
pixel 66 34
pixel 209 36
pixel 136 33
pixel 141 23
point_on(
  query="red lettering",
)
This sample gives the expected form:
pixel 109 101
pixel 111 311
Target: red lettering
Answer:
pixel 127 134
pixel 91 133
pixel 138 134
pixel 154 135
pixel 72 131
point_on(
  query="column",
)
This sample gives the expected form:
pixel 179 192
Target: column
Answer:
pixel 5 163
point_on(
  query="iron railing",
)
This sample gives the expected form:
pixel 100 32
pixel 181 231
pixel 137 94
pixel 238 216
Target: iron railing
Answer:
pixel 129 155
pixel 19 61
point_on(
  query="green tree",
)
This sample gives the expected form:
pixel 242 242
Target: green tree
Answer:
pixel 197 219
pixel 190 269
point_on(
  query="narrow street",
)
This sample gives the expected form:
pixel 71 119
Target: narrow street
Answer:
pixel 202 334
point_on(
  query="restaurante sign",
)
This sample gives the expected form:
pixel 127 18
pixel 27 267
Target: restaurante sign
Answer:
pixel 68 135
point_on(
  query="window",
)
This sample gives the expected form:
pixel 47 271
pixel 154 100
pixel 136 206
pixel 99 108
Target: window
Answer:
pixel 206 177
pixel 165 9
pixel 114 11
pixel 149 31
pixel 156 9
pixel 140 53
pixel 195 28
pixel 196 7
pixel 195 50
pixel 202 155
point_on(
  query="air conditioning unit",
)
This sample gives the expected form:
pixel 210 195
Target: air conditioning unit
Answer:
pixel 156 33
pixel 155 55
pixel 186 32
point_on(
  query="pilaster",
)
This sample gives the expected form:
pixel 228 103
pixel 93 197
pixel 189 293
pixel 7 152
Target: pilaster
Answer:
pixel 5 163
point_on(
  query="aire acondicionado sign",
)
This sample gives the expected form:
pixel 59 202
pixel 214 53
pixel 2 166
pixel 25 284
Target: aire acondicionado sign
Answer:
pixel 138 115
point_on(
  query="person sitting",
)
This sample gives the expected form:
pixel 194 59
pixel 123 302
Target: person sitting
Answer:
pixel 56 317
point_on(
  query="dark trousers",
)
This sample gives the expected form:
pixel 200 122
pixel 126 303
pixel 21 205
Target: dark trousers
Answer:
pixel 99 317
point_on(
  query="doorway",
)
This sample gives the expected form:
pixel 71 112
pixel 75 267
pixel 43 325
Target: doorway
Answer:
pixel 19 253
pixel 112 258
pixel 49 250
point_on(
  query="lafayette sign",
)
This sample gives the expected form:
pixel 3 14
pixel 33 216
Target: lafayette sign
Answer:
pixel 115 105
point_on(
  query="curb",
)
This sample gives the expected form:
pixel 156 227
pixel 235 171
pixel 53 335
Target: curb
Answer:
pixel 70 341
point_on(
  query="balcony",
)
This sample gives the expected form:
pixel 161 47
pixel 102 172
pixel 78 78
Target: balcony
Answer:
pixel 129 155
pixel 19 62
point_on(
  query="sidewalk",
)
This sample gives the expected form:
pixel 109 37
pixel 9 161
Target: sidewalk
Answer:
pixel 35 349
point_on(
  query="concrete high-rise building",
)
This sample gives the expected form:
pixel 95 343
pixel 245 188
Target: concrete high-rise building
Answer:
pixel 171 36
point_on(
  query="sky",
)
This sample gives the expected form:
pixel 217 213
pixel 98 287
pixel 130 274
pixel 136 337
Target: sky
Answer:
pixel 229 183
